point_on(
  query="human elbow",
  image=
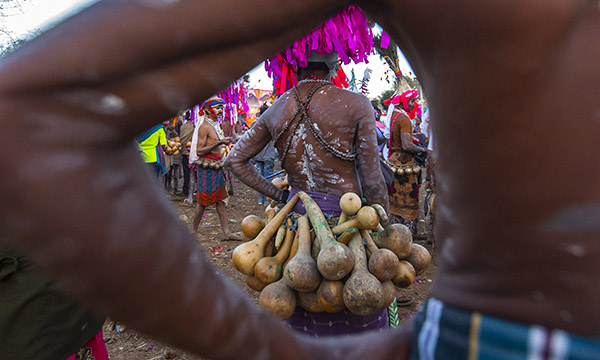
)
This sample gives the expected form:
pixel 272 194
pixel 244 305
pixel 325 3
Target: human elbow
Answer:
pixel 231 162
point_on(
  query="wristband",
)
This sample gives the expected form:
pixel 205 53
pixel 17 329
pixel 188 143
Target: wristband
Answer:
pixel 284 196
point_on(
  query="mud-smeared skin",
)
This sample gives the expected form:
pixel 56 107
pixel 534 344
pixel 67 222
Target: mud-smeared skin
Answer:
pixel 346 121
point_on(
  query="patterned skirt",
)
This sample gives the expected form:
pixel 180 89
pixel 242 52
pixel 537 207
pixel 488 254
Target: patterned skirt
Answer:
pixel 211 186
pixel 404 199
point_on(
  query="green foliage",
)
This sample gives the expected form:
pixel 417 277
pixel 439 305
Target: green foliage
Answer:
pixel 385 95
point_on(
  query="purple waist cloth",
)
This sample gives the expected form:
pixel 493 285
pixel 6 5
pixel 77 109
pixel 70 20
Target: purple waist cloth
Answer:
pixel 329 204
pixel 340 323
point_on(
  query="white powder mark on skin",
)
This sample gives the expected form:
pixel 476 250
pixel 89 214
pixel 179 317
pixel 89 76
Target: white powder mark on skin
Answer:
pixel 335 142
pixel 98 102
pixel 91 73
pixel 194 258
pixel 566 316
pixel 170 93
pixel 112 180
pixel 299 136
pixel 306 170
pixel 576 250
pixel 49 128
pixel 64 162
pixel 447 214
pixel 334 178
pixel 573 279
pixel 573 219
pixel 51 165
pixel 344 130
pixel 173 98
pixel 113 102
pixel 538 295
pixel 126 223
pixel 448 249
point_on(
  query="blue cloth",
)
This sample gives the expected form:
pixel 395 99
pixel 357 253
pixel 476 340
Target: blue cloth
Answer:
pixel 265 168
pixel 146 134
pixel 214 102
pixel 443 332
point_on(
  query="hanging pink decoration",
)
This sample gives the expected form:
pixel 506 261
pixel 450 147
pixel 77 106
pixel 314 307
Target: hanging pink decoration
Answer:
pixel 385 40
pixel 348 33
pixel 235 101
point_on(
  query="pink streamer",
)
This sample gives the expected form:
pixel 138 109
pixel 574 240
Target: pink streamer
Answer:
pixel 385 40
pixel 348 33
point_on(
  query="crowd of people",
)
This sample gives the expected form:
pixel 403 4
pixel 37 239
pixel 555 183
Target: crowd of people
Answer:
pixel 400 140
pixel 517 232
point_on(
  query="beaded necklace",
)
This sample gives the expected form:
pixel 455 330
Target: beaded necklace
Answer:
pixel 216 126
pixel 303 111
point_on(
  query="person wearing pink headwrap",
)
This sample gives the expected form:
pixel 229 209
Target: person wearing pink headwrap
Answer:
pixel 404 192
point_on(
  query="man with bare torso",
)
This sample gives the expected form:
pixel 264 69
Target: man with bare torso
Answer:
pixel 210 176
pixel 518 202
pixel 318 151
pixel 328 146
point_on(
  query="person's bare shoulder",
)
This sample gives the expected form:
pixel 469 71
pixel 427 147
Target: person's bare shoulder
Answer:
pixel 357 102
pixel 283 106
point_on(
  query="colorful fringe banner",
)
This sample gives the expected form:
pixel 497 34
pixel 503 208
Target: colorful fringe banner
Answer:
pixel 364 88
pixel 235 101
pixel 348 33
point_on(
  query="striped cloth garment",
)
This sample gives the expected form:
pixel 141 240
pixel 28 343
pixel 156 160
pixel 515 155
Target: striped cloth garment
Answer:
pixel 443 332
pixel 211 184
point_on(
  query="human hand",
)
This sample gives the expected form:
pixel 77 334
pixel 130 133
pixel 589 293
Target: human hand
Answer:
pixel 226 141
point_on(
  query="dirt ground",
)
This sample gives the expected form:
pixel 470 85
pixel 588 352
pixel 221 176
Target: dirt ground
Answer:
pixel 130 345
